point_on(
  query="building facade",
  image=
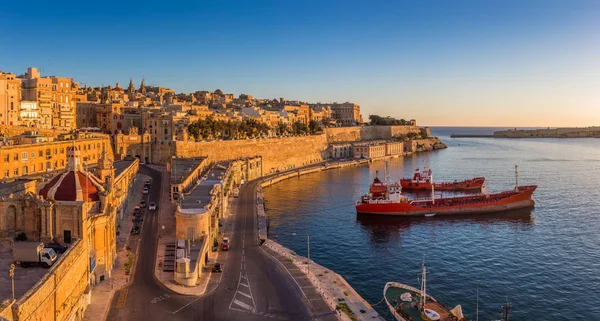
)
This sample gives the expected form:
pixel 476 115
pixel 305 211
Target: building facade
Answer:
pixel 10 99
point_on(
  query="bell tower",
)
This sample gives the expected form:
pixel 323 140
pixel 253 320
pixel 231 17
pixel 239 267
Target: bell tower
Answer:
pixel 106 170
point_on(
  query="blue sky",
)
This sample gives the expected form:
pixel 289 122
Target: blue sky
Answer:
pixel 473 63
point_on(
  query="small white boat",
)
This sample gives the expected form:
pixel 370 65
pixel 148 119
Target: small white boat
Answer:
pixel 430 215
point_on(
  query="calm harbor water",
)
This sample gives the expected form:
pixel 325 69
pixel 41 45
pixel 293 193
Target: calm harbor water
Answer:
pixel 546 262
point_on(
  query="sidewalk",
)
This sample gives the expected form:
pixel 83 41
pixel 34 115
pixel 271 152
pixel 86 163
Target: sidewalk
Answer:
pixel 207 281
pixel 103 292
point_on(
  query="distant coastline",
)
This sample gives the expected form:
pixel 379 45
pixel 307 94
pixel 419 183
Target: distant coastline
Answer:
pixel 566 132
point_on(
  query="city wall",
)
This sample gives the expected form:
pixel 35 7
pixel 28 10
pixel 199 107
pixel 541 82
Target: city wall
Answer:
pixel 352 134
pixel 277 153
pixel 60 294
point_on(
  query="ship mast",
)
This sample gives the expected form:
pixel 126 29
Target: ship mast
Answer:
pixel 516 179
pixel 432 189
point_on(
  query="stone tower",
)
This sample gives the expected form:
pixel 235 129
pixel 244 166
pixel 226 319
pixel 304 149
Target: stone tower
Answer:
pixel 143 87
pixel 131 89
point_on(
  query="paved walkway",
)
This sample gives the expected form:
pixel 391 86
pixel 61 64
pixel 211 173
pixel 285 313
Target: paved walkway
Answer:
pixel 103 292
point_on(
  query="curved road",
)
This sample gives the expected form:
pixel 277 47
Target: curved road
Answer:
pixel 253 286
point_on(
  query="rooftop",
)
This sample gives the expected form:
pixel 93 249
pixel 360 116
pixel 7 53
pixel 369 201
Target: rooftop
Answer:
pixel 14 183
pixel 200 195
pixel 25 279
pixel 121 166
pixel 182 167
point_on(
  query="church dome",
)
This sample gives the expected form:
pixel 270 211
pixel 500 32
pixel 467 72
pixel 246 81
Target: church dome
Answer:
pixel 73 185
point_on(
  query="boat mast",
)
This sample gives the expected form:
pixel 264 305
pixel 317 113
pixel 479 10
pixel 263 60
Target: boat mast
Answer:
pixel 516 179
pixel 477 308
pixel 423 288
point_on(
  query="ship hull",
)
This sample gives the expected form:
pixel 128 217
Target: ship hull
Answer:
pixel 468 185
pixel 511 201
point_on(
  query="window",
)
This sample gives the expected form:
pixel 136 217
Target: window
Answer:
pixel 62 150
pixel 33 168
pixel 62 162
pixel 61 84
pixel 16 172
pixel 55 151
pixel 6 173
pixel 24 170
pixel 32 155
pixel 16 158
pixel 24 156
pixel 6 158
pixel 41 153
pixel 67 85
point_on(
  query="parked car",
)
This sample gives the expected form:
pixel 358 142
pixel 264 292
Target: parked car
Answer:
pixel 138 219
pixel 57 247
pixel 148 181
pixel 137 210
pixel 218 267
pixel 143 204
pixel 135 230
pixel 224 247
pixel 152 206
pixel 146 190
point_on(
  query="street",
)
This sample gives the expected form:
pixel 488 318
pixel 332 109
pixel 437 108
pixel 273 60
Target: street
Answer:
pixel 253 285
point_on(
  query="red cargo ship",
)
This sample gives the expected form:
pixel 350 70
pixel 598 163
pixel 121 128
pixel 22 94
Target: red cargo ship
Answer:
pixel 423 181
pixel 387 200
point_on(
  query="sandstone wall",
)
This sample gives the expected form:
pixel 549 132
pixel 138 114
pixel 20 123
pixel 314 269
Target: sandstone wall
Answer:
pixel 60 294
pixel 351 134
pixel 277 153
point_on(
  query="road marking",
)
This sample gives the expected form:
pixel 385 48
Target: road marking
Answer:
pixel 243 305
pixel 185 306
pixel 246 285
pixel 243 258
pixel 244 294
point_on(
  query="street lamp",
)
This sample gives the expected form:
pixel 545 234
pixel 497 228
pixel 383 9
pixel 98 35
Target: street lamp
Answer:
pixel 11 273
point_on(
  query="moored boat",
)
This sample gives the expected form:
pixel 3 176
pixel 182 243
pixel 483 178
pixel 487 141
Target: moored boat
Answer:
pixel 392 202
pixel 423 181
pixel 410 304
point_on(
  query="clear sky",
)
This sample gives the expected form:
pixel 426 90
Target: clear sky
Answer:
pixel 471 63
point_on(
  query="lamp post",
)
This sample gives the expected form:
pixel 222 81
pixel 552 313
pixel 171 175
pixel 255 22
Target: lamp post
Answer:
pixel 11 273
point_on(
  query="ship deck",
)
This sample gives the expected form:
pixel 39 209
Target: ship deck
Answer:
pixel 409 310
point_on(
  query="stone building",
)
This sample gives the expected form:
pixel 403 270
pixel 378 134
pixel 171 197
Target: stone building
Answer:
pixel 78 208
pixel 200 208
pixel 10 99
pixel 345 114
pixel 19 160
pixel 340 150
pixel 63 104
pixel 394 148
pixel 133 144
pixel 369 150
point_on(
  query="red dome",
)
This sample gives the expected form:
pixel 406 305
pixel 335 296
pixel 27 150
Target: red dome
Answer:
pixel 71 186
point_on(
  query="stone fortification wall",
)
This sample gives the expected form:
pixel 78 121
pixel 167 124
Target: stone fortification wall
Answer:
pixel 277 153
pixel 352 134
pixel 550 133
pixel 60 293
pixel 11 131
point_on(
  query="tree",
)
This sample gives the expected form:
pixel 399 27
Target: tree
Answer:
pixel 313 126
